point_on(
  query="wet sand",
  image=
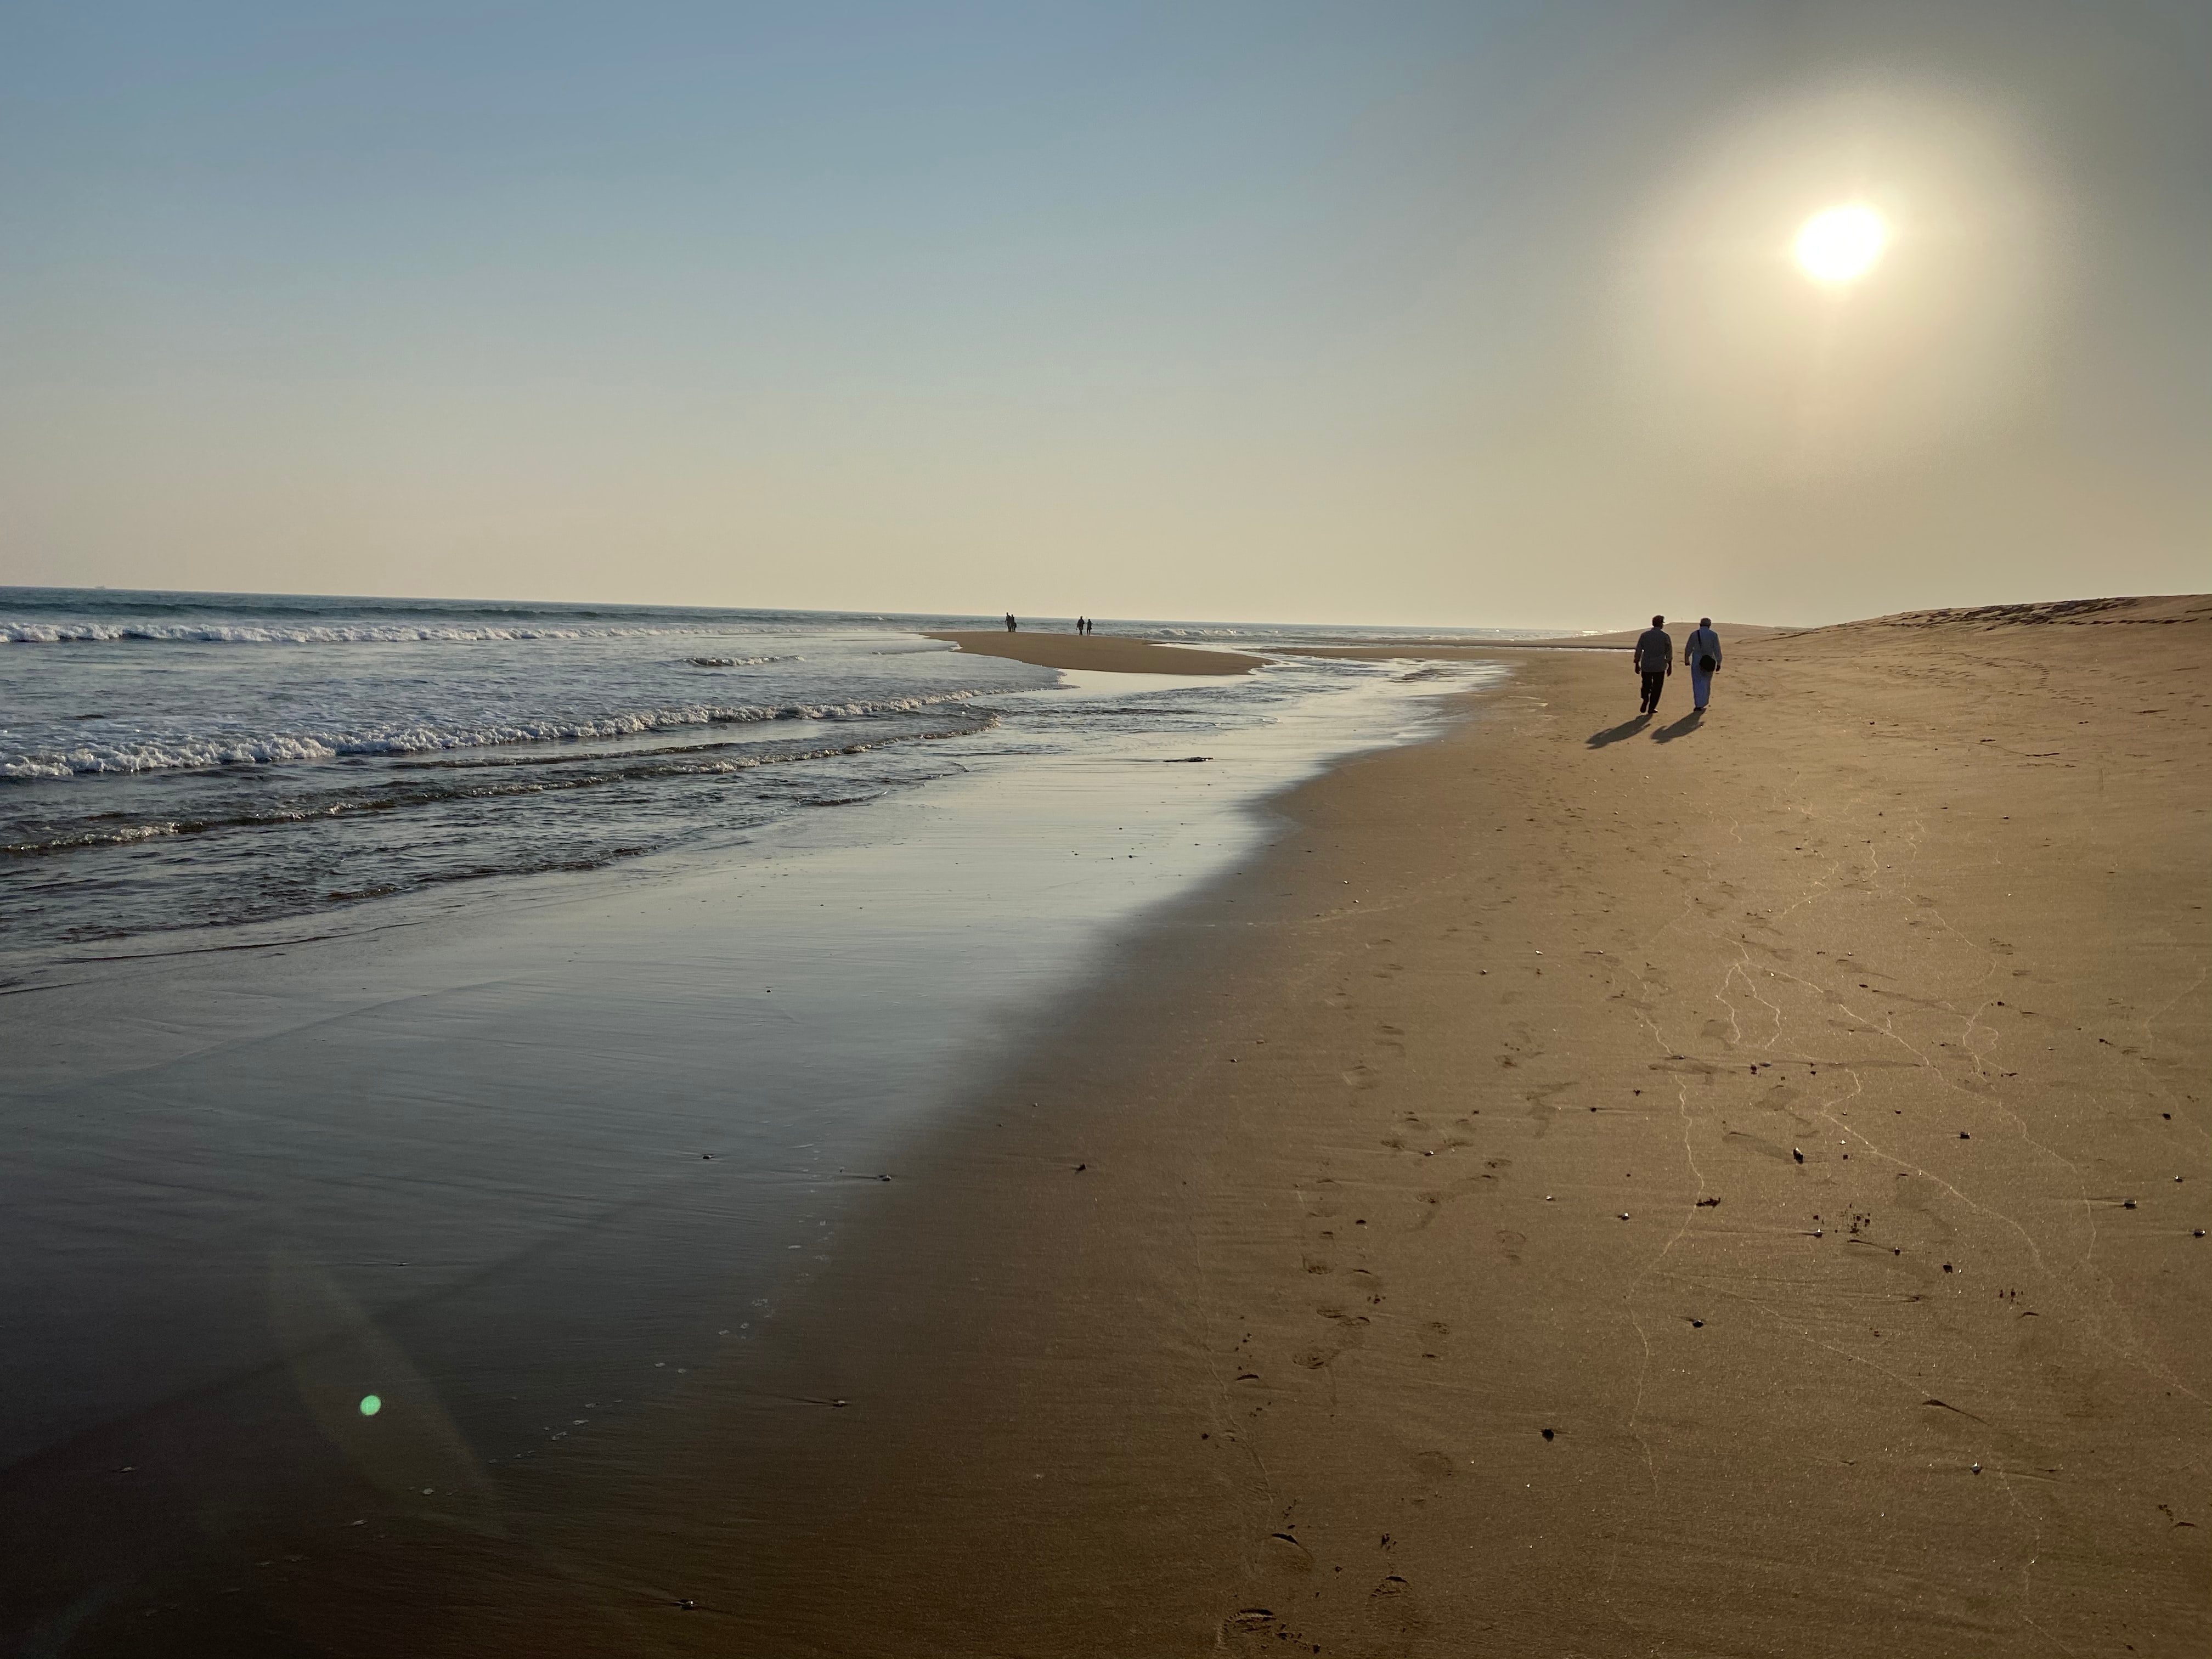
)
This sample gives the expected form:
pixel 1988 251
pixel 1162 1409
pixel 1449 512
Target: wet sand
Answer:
pixel 1107 652
pixel 1600 1186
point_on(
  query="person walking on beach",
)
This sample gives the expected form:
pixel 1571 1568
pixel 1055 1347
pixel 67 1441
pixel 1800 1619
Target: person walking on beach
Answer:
pixel 1701 655
pixel 1655 660
pixel 1010 622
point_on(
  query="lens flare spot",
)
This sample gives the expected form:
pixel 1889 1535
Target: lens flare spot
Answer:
pixel 371 1403
pixel 1841 245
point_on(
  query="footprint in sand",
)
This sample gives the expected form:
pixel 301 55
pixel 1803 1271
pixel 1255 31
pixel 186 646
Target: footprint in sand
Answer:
pixel 1257 1630
pixel 1280 1553
pixel 1351 1331
pixel 1435 1466
pixel 1394 1606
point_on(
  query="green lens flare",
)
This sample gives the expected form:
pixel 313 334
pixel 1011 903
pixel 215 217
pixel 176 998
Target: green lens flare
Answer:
pixel 370 1404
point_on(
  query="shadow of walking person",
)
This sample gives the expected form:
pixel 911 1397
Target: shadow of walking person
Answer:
pixel 1615 733
pixel 1681 728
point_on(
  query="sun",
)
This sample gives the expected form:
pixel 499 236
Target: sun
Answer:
pixel 1841 244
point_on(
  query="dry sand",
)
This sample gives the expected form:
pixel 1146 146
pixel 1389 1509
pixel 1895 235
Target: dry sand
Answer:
pixel 1679 627
pixel 1599 1187
pixel 1734 633
pixel 1110 652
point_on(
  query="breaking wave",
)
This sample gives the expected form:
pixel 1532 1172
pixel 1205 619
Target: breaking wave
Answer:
pixel 634 766
pixel 275 748
pixel 18 631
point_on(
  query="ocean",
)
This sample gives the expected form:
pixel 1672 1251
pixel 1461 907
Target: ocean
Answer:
pixel 180 761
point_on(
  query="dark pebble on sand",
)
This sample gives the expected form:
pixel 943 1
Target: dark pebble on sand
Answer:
pixel 1794 1153
pixel 1547 1434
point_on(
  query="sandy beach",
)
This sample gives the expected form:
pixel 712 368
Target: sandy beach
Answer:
pixel 833 832
pixel 1597 1187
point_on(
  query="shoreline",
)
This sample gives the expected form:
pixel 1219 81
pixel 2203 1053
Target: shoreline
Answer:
pixel 1336 1273
pixel 474 1157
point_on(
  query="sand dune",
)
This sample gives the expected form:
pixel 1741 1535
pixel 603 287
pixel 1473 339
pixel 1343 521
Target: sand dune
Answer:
pixel 1679 627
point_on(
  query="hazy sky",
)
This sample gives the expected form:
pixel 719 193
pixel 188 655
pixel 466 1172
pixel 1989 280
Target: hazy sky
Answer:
pixel 1447 313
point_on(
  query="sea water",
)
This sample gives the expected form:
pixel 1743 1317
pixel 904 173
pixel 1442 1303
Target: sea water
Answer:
pixel 181 761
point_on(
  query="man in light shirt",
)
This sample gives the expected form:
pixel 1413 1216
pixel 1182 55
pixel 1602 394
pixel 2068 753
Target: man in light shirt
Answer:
pixel 1701 656
pixel 1655 660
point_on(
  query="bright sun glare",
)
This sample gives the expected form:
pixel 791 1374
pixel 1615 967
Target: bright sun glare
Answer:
pixel 1841 244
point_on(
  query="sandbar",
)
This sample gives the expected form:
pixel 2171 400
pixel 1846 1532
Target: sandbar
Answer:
pixel 1109 652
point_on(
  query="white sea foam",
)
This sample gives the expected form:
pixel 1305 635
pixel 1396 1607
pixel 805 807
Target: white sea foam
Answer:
pixel 215 750
pixel 19 631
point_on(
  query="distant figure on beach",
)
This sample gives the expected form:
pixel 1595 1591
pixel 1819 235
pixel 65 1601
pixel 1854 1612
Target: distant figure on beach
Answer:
pixel 1078 624
pixel 1655 660
pixel 1701 655
pixel 1010 624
